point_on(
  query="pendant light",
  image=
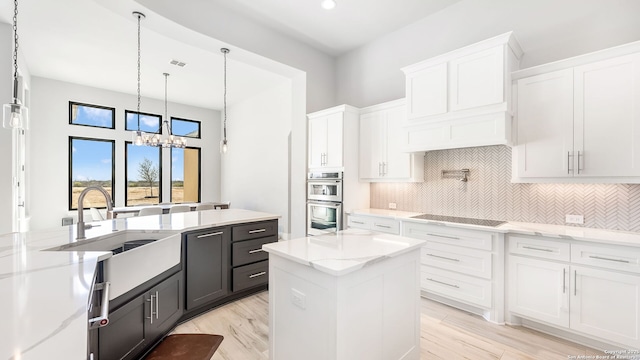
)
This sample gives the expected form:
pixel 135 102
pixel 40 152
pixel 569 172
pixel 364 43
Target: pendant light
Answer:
pixel 15 115
pixel 139 136
pixel 224 146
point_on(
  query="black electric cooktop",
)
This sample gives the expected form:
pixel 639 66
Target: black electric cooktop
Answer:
pixel 461 220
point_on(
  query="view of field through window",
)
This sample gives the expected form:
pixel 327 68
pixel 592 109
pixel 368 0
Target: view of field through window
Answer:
pixel 91 164
pixel 144 175
pixel 185 175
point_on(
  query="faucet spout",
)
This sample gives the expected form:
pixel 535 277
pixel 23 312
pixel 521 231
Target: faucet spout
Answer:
pixel 84 192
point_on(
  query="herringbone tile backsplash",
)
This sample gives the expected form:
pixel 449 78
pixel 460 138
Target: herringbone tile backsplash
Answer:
pixel 489 193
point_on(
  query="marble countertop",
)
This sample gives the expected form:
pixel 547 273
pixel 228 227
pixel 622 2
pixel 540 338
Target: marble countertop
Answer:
pixel 44 299
pixel 547 230
pixel 343 252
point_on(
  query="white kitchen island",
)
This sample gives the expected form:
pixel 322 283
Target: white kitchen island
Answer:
pixel 350 295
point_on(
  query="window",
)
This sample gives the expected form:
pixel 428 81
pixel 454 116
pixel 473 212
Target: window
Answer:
pixel 143 173
pixel 185 175
pixel 91 162
pixel 91 115
pixel 187 128
pixel 149 123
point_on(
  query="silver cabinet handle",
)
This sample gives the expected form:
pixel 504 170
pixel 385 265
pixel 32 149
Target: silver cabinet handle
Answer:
pixel 209 235
pixel 443 283
pixel 257 274
pixel 379 169
pixel 255 251
pixel 383 226
pixel 564 280
pixel 384 168
pixel 444 236
pixel 443 257
pixel 257 231
pixel 537 249
pixel 575 282
pixel 569 162
pixel 103 319
pixel 357 222
pixel 579 161
pixel 608 259
pixel 151 312
pixel 157 305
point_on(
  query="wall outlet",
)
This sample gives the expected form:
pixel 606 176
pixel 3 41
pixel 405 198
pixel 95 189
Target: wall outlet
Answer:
pixel 392 206
pixel 574 219
pixel 298 299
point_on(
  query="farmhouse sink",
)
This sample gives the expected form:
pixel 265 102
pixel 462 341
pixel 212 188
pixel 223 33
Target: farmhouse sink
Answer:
pixel 137 256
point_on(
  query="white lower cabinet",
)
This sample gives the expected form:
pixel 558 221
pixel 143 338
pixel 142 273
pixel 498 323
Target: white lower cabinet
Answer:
pixel 588 300
pixel 460 265
pixel 375 223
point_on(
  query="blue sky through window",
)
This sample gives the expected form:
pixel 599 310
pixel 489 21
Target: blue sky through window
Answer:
pixel 91 160
pixel 185 128
pixel 135 155
pixel 177 164
pixel 148 123
pixel 91 116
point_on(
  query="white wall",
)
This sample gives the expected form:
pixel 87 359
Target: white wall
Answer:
pixel 226 25
pixel 548 30
pixel 255 170
pixel 49 144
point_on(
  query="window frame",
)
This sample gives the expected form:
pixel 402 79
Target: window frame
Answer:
pixel 113 168
pixel 142 114
pixel 126 174
pixel 113 115
pixel 187 120
pixel 199 173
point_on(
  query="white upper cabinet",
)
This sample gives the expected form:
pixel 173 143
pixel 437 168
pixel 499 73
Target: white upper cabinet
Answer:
pixel 325 139
pixel 382 139
pixel 477 79
pixel 428 89
pixel 462 98
pixel 580 123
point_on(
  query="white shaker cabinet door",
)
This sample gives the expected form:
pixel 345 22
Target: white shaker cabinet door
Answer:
pixel 545 125
pixel 539 290
pixel 371 147
pixel 477 79
pixel 427 92
pixel 334 140
pixel 398 163
pixel 606 304
pixel 317 142
pixel 607 117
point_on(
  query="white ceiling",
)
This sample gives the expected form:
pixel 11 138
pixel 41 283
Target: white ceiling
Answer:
pixel 94 43
pixel 352 23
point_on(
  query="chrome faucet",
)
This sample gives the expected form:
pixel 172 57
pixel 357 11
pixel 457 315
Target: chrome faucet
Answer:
pixel 84 192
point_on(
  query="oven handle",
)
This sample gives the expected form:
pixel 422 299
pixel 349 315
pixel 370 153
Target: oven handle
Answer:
pixel 103 319
pixel 325 204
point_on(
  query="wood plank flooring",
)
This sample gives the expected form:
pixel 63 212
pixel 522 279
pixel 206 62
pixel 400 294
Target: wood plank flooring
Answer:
pixel 446 333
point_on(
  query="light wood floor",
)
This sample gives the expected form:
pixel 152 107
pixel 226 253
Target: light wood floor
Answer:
pixel 446 333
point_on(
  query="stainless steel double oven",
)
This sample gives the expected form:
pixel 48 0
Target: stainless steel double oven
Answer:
pixel 324 202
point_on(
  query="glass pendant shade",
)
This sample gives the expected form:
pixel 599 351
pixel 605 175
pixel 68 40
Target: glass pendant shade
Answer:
pixel 15 116
pixel 224 146
pixel 138 138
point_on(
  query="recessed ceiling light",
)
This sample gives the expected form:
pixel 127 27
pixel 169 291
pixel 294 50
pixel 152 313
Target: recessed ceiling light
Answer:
pixel 328 4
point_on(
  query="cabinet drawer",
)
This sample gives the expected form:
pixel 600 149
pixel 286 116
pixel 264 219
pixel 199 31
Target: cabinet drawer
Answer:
pixel 449 235
pixel 546 249
pixel 454 258
pixel 389 226
pixel 622 258
pixel 254 230
pixel 359 222
pixel 250 251
pixel 251 275
pixel 467 289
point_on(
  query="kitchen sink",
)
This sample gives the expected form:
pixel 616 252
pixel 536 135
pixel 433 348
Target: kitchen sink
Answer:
pixel 137 256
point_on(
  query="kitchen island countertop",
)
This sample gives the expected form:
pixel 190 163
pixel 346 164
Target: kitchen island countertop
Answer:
pixel 46 293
